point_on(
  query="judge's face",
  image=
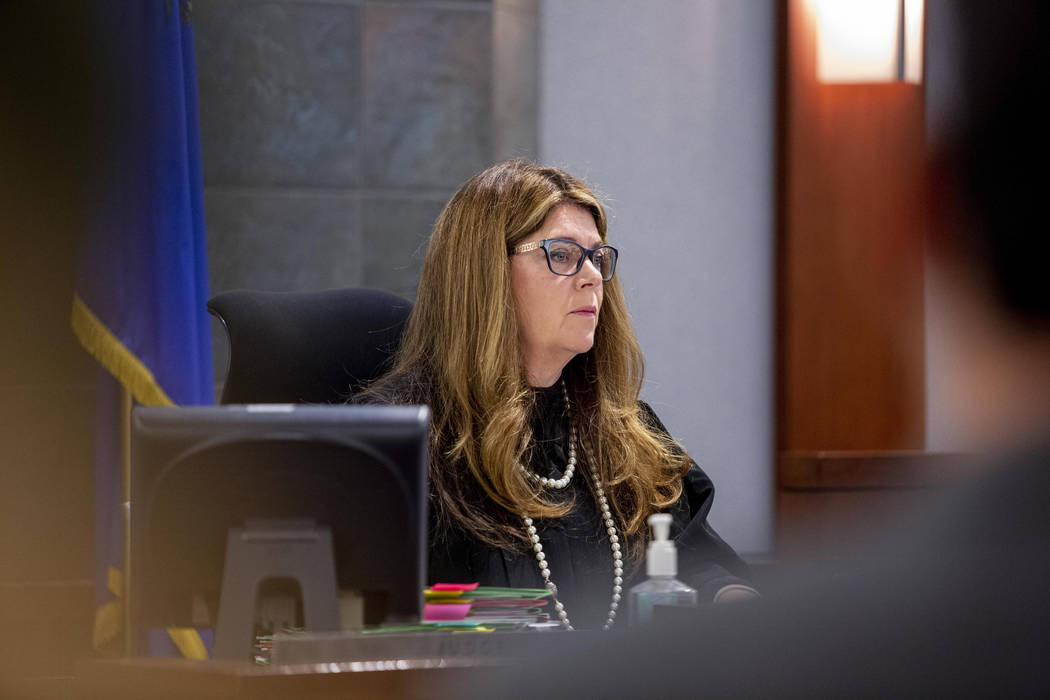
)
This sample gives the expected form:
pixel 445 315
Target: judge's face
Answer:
pixel 556 315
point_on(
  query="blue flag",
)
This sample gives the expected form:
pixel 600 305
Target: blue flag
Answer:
pixel 142 277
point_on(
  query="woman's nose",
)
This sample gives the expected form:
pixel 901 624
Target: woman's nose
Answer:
pixel 589 274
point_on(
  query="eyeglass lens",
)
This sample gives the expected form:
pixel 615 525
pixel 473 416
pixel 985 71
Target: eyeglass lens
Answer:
pixel 564 257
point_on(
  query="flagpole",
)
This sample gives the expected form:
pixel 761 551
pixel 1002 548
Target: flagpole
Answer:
pixel 125 500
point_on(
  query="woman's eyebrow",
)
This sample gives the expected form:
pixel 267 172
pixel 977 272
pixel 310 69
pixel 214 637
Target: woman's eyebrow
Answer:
pixel 573 237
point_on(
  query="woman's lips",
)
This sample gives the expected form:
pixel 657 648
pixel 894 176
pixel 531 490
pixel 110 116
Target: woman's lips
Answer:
pixel 589 311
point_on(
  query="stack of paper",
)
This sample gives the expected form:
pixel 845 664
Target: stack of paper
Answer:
pixel 471 605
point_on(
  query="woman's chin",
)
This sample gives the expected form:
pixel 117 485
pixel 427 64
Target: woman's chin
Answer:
pixel 582 344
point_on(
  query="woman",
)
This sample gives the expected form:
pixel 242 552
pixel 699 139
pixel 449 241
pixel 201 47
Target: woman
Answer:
pixel 544 464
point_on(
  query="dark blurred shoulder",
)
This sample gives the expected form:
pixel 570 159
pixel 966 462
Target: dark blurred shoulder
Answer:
pixel 1003 505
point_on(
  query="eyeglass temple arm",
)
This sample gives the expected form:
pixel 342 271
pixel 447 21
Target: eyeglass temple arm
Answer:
pixel 526 247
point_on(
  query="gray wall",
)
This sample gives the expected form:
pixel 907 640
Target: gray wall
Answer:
pixel 667 107
pixel 333 132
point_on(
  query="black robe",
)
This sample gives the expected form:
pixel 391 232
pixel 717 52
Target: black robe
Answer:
pixel 577 546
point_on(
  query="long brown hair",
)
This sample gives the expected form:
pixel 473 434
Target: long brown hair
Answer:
pixel 460 354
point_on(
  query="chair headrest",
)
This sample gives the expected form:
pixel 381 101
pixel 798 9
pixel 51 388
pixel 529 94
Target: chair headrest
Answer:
pixel 307 347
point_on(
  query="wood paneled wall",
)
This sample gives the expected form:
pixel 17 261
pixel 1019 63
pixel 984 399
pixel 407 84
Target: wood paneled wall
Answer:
pixel 850 334
pixel 850 305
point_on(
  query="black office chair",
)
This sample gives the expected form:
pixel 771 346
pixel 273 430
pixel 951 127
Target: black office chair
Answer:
pixel 307 347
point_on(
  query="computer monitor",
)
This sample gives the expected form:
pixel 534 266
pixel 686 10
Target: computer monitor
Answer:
pixel 199 472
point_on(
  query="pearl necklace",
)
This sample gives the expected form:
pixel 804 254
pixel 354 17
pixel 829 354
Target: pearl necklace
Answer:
pixel 610 529
pixel 570 468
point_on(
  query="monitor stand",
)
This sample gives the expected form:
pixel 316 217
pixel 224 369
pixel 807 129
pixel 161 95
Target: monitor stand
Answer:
pixel 299 550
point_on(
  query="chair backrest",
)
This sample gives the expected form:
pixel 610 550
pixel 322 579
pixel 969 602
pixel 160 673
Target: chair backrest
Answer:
pixel 307 347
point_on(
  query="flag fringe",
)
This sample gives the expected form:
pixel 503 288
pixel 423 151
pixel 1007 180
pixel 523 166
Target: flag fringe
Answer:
pixel 129 370
pixel 189 642
pixel 108 623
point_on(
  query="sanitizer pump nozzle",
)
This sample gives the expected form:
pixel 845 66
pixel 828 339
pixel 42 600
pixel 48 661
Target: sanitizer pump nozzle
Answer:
pixel 661 564
pixel 661 558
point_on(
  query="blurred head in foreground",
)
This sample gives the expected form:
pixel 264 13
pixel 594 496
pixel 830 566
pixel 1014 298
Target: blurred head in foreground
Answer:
pixel 987 189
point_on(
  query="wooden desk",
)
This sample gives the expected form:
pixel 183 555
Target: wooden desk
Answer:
pixel 178 679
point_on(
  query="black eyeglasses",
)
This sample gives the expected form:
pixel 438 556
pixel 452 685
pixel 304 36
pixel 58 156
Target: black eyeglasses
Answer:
pixel 565 257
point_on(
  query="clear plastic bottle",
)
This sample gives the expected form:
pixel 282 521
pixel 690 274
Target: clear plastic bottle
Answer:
pixel 662 588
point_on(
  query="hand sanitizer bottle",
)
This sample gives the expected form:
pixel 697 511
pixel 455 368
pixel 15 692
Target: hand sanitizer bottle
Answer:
pixel 662 588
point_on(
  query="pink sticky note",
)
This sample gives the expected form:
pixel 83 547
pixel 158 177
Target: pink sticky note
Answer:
pixel 444 612
pixel 454 586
